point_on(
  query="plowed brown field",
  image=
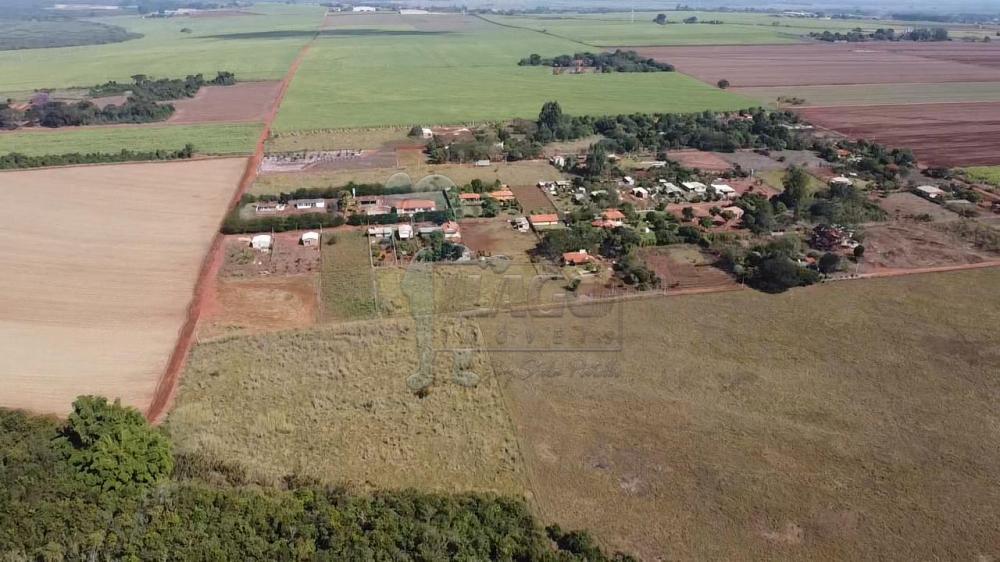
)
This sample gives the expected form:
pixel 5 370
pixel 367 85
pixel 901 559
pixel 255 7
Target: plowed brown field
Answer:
pixel 99 264
pixel 946 134
pixel 246 101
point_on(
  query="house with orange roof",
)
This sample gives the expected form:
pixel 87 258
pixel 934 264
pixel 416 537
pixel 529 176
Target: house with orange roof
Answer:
pixel 414 206
pixel 503 195
pixel 576 258
pixel 543 220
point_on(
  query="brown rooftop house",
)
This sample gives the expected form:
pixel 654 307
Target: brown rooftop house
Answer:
pixel 503 195
pixel 543 220
pixel 576 258
pixel 414 206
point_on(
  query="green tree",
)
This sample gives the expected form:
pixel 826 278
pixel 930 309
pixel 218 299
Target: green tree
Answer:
pixel 796 193
pixel 829 262
pixel 114 447
pixel 661 19
pixel 722 84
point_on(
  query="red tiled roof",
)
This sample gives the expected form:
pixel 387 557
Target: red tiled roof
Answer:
pixel 536 219
pixel 576 258
pixel 409 204
pixel 613 215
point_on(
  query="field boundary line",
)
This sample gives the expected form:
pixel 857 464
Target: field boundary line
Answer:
pixel 166 388
pixel 541 32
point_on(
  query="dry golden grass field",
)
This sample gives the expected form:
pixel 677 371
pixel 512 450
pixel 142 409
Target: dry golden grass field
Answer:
pixel 333 403
pixel 99 264
pixel 852 421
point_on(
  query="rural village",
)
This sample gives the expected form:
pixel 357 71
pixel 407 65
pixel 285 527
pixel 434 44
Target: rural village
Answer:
pixel 411 281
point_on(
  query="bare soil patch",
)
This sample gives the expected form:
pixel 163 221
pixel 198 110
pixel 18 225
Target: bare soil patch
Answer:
pixel 99 267
pixel 263 304
pixel 241 102
pixel 686 268
pixel 496 237
pixel 532 199
pixel 913 245
pixel 829 64
pixel 948 134
pixel 908 205
pixel 708 161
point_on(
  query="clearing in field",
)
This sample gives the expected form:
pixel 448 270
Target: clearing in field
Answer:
pixel 707 161
pixel 347 285
pixel 948 134
pixel 687 268
pixel 907 244
pixel 838 422
pixel 100 264
pixel 521 173
pixel 261 304
pixel 334 404
pixel 237 138
pixel 244 101
pixel 380 74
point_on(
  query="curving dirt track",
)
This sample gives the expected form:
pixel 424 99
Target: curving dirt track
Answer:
pixel 167 386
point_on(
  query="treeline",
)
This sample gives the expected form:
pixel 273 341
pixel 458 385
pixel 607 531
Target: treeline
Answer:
pixel 105 485
pixel 658 132
pixel 61 114
pixel 162 89
pixel 328 192
pixel 15 160
pixel 618 61
pixel 857 35
pixel 235 224
pixel 436 217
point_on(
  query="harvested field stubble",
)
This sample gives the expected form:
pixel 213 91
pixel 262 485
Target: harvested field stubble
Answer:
pixel 100 264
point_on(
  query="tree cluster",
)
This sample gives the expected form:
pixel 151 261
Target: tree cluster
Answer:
pixel 617 61
pixel 162 89
pixel 857 35
pixel 235 224
pixel 15 160
pixel 106 486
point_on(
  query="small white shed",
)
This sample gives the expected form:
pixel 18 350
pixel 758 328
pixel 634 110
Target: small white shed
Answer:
pixel 310 238
pixel 261 242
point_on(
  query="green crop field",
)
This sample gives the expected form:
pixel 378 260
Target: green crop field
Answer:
pixel 988 174
pixel 378 70
pixel 207 139
pixel 32 34
pixel 736 28
pixel 254 47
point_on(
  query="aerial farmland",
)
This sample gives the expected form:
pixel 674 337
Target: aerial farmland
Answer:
pixel 351 282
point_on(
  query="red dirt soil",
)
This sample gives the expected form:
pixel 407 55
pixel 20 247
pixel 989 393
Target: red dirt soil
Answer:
pixel 244 101
pixel 532 198
pixel 204 288
pixel 945 134
pixel 831 64
pixel 708 161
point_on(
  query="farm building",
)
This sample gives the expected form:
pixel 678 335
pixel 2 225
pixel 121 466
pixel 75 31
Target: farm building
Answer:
pixel 640 192
pixel 628 180
pixel 309 239
pixel 308 203
pixel 414 206
pixel 381 231
pixel 543 220
pixel 482 163
pixel 426 133
pixel 268 207
pixel 669 188
pixel 930 191
pixel 695 187
pixel 364 9
pixel 653 164
pixel 725 190
pixel 405 232
pixel 470 197
pixel 576 258
pixel 261 242
pixel 558 161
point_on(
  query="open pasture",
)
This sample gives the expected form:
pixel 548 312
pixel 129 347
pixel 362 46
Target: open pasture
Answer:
pixel 234 138
pixel 950 134
pixel 368 73
pixel 842 421
pixel 99 267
